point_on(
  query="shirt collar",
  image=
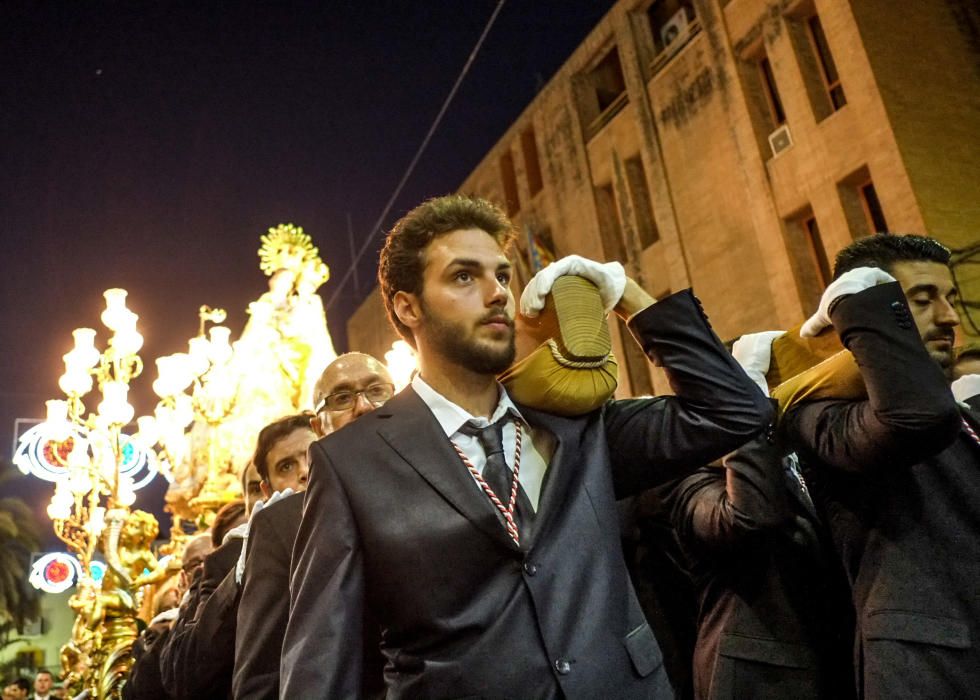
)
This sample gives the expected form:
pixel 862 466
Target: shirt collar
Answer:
pixel 451 417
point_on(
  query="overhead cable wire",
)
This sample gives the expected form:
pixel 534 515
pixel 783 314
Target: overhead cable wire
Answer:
pixel 418 154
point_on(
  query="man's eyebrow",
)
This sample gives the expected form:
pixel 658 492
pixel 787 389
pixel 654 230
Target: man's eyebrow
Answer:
pixel 367 379
pixel 472 263
pixel 919 288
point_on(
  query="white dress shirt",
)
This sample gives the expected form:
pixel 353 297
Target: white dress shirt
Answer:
pixel 452 417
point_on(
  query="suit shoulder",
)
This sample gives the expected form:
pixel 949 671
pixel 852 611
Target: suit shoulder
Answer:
pixel 223 559
pixel 281 516
pixel 365 426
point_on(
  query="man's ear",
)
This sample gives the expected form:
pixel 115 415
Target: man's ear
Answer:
pixel 407 308
pixel 266 488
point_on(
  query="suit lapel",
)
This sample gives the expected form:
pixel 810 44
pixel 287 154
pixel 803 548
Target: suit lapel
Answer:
pixel 410 429
pixel 558 477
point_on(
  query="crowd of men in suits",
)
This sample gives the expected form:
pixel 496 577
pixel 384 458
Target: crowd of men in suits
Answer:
pixel 448 542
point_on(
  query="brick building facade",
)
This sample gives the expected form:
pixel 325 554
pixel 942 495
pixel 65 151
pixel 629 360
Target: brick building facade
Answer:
pixel 735 146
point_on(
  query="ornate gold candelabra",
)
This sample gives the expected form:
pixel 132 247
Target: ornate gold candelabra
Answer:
pixel 94 467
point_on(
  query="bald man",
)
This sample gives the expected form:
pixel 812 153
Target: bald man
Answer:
pixel 350 386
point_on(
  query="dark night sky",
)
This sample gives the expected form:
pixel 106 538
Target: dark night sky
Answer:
pixel 148 145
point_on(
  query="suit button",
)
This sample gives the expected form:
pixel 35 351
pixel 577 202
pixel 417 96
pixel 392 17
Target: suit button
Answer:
pixel 563 666
pixel 530 569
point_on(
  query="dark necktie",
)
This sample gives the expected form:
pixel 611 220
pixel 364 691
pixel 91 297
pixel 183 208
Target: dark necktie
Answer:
pixel 496 472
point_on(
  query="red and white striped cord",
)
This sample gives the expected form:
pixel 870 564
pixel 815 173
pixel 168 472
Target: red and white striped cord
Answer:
pixel 506 511
pixel 970 431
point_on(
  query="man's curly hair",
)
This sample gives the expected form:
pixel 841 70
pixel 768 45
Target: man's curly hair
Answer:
pixel 402 262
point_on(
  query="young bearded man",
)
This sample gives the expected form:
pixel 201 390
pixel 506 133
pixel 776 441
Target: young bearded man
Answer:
pixel 494 571
pixel 897 474
pixel 350 386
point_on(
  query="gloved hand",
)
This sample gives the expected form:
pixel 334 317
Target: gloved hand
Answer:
pixel 256 509
pixel 609 277
pixel 754 352
pixel 966 387
pixel 851 282
pixel 166 616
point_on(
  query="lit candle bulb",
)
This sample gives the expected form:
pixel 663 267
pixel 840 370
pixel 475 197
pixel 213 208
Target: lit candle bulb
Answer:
pixel 199 350
pixel 85 350
pixel 114 405
pixel 148 432
pixel 220 346
pixel 115 312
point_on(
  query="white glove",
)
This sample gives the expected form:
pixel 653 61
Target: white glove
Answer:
pixel 966 387
pixel 851 282
pixel 610 278
pixel 754 352
pixel 166 616
pixel 237 532
pixel 256 509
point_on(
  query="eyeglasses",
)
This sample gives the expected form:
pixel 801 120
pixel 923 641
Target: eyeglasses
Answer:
pixel 191 565
pixel 376 394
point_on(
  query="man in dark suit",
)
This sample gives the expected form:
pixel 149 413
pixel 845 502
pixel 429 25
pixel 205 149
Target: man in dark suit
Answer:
pixel 199 656
pixel 897 475
pixel 351 385
pixel 774 612
pixel 484 589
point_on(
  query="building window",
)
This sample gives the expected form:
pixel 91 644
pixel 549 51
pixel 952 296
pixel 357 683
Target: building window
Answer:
pixel 601 92
pixel 509 178
pixel 762 98
pixel 671 23
pixel 862 208
pixel 872 208
pixel 772 93
pixel 532 167
pixel 808 258
pixel 610 231
pixel 646 227
pixel 607 80
pixel 817 252
pixel 827 67
pixel 637 363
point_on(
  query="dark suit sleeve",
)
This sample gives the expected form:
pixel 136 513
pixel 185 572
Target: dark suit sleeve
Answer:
pixel 170 654
pixel 724 509
pixel 200 653
pixel 910 413
pixel 322 652
pixel 715 409
pixel 263 609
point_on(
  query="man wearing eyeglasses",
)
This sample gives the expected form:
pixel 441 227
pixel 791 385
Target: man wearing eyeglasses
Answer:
pixel 349 387
pixel 352 385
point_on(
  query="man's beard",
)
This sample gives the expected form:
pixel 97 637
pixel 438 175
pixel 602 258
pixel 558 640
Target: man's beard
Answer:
pixel 455 342
pixel 944 358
